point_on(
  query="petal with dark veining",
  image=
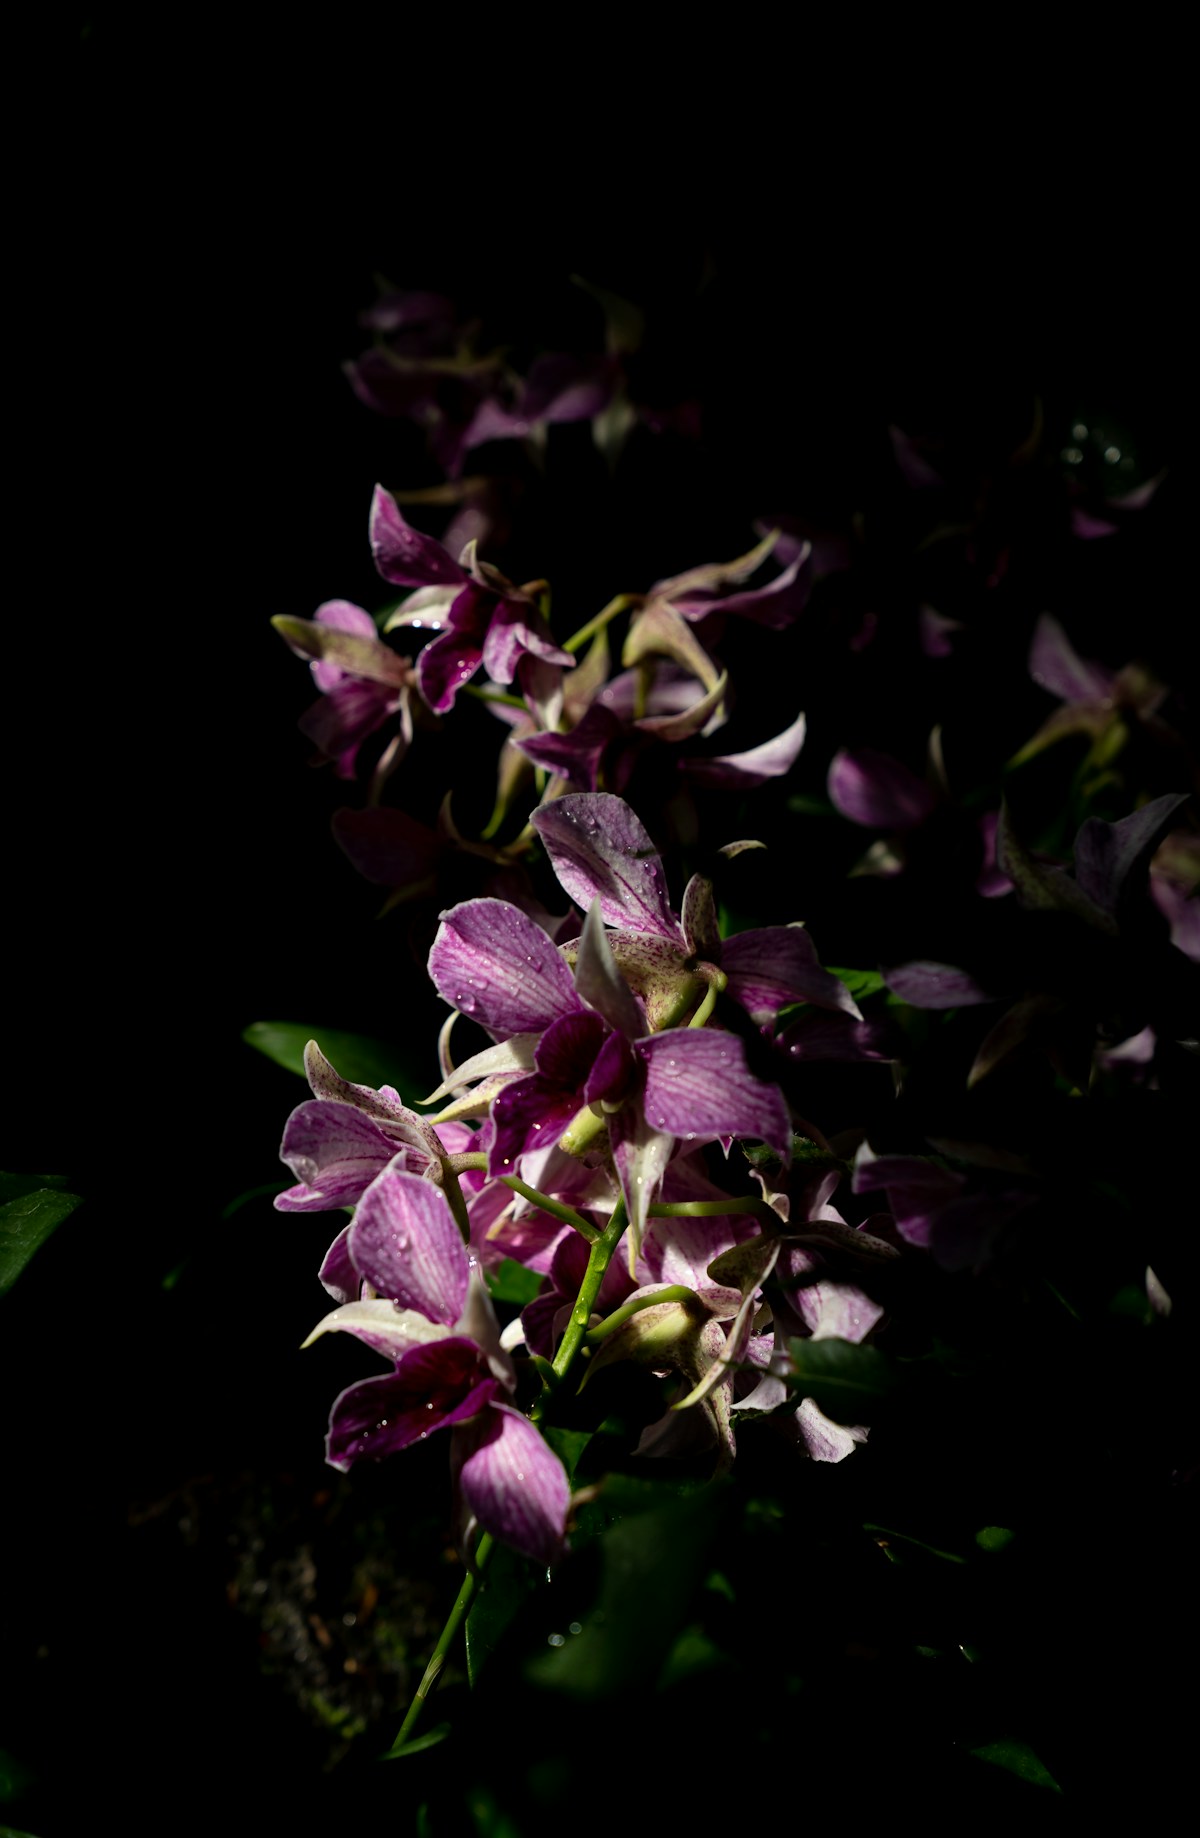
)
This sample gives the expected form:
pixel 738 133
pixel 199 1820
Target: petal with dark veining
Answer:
pixel 407 1246
pixel 493 962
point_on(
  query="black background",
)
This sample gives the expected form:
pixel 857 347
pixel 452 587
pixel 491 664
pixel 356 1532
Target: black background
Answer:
pixel 202 222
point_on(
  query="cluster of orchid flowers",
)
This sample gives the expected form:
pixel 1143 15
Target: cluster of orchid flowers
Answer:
pixel 634 1136
pixel 628 1038
pixel 623 1048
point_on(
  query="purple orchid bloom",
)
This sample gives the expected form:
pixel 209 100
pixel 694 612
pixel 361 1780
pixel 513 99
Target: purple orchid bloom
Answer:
pixel 1092 695
pixel 881 793
pixel 428 1312
pixel 363 683
pixel 935 1208
pixel 704 592
pixel 594 1047
pixel 482 619
pixel 343 1139
pixel 600 850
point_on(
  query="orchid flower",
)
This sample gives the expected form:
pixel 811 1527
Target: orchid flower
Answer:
pixel 428 1312
pixel 482 619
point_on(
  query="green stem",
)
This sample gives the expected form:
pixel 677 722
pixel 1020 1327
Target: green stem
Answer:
pixel 607 614
pixel 711 1209
pixel 674 1292
pixel 555 1208
pixel 454 1195
pixel 706 1008
pixel 496 695
pixel 446 1639
pixel 473 1161
pixel 599 1258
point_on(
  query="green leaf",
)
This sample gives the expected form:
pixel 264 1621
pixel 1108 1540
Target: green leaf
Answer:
pixel 428 1741
pixel 509 1583
pixel 512 1282
pixel 994 1537
pixel 845 1379
pixel 26 1221
pixel 16 1186
pixel 568 1445
pixel 1019 1759
pixel 811 804
pixel 654 1558
pixel 859 982
pixel 356 1057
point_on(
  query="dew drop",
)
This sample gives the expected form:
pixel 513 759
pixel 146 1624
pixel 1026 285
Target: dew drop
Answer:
pixel 429 1407
pixel 424 1434
pixel 520 1476
pixel 556 1640
pixel 1111 455
pixel 691 1135
pixel 575 1627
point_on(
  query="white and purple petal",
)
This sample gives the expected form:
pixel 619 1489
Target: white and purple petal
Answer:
pixel 877 791
pixel 516 630
pixel 403 555
pixel 923 984
pixel 513 1483
pixel 778 964
pixel 497 965
pixel 776 605
pixel 821 1438
pixel 599 849
pixel 699 1087
pixel 743 771
pixel 599 982
pixel 335 1152
pixel 382 1326
pixel 1055 664
pixel 405 1243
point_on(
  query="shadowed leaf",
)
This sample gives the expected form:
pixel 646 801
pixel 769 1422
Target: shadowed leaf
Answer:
pixel 358 1058
pixel 27 1220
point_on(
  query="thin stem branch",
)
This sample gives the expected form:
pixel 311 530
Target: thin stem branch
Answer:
pixel 555 1208
pixel 608 613
pixel 674 1292
pixel 446 1639
pixel 711 1209
pixel 599 1258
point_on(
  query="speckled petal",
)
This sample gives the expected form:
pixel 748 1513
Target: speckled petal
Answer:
pixel 407 1246
pixel 600 849
pixel 335 1152
pixel 778 964
pixel 497 965
pixel 513 1483
pixel 699 1087
pixel 403 555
